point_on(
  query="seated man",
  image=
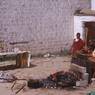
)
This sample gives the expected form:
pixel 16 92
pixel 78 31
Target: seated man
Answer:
pixel 91 45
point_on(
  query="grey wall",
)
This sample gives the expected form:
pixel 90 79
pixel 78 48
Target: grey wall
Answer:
pixel 45 25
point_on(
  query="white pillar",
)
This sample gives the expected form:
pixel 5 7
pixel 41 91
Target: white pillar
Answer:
pixel 29 57
pixel 92 4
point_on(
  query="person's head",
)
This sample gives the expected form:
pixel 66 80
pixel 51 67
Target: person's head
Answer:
pixel 78 35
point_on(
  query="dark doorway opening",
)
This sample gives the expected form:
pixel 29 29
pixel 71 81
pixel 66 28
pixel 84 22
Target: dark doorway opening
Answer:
pixel 90 31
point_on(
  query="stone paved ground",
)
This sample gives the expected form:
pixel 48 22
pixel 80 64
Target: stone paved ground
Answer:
pixel 42 67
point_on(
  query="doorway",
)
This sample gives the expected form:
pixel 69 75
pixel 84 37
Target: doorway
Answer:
pixel 90 31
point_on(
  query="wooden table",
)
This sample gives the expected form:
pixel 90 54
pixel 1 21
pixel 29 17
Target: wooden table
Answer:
pixel 22 58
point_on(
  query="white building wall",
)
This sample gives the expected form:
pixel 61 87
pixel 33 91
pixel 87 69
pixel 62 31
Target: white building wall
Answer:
pixel 47 25
pixel 93 4
pixel 78 23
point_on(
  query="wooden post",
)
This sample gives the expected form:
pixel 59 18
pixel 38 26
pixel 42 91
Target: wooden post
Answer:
pixel 22 59
pixel 86 37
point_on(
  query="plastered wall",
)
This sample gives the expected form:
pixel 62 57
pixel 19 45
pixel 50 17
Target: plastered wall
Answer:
pixel 39 26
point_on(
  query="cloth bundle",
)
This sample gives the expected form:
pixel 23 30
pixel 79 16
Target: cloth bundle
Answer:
pixel 5 77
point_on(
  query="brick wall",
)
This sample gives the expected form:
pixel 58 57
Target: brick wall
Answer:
pixel 38 25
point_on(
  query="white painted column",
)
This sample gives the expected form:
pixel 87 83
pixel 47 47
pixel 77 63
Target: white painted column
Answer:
pixel 92 4
pixel 29 57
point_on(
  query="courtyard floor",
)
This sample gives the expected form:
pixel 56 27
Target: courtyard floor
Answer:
pixel 41 68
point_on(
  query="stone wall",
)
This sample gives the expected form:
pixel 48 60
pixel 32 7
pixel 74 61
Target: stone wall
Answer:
pixel 38 25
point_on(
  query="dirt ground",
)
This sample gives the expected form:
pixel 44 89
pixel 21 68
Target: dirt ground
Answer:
pixel 41 68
